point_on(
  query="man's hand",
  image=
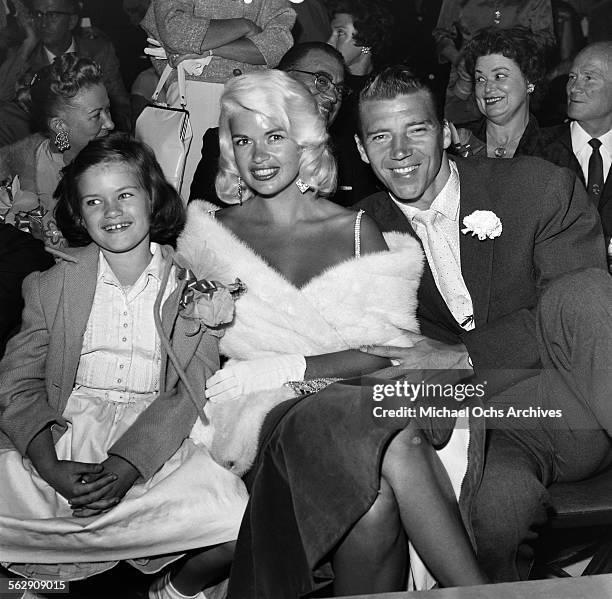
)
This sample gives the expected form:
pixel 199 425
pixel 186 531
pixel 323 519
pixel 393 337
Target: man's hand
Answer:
pixel 425 354
pixel 91 504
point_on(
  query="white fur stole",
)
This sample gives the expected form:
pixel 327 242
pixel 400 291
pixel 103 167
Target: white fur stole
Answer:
pixel 362 301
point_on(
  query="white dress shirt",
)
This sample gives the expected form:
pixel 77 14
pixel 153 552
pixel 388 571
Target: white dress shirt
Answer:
pixel 582 149
pixel 445 261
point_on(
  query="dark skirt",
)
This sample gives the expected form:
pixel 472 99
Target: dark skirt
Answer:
pixel 317 473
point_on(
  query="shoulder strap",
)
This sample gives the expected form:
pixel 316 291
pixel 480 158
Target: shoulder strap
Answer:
pixel 181 83
pixel 358 234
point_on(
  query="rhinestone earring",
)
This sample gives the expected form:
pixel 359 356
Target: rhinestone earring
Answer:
pixel 366 49
pixel 530 88
pixel 303 187
pixel 239 190
pixel 62 141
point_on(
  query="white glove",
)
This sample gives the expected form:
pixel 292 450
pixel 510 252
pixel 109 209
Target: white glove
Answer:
pixel 240 378
pixel 155 49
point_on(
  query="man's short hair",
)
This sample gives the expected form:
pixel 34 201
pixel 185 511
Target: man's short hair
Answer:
pixel 298 53
pixel 396 81
pixel 604 48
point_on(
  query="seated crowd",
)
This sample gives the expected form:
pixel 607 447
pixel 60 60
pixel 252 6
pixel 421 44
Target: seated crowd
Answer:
pixel 206 379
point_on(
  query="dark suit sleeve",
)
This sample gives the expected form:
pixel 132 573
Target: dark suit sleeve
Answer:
pixel 20 254
pixel 14 66
pixel 203 184
pixel 568 236
pixel 166 423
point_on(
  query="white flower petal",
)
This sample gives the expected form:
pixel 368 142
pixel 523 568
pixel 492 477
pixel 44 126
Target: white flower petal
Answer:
pixel 483 223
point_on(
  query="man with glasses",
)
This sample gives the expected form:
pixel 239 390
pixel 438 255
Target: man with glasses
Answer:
pixel 49 33
pixel 321 71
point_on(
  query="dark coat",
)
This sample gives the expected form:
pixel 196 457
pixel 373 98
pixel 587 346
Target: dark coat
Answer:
pixel 20 254
pixel 558 149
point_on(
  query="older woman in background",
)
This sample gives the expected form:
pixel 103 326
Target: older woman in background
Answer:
pixel 460 21
pixel 216 39
pixel 70 107
pixel 507 66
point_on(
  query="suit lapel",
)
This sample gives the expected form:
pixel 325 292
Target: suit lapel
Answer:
pixel 387 215
pixel 476 255
pixel 78 295
pixel 566 140
pixel 606 194
pixel 432 310
pixel 38 58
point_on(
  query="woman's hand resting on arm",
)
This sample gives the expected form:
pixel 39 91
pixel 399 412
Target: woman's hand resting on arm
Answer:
pixel 227 38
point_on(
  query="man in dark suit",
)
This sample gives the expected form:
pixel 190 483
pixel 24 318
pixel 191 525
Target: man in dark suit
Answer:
pixel 499 302
pixel 49 33
pixel 585 144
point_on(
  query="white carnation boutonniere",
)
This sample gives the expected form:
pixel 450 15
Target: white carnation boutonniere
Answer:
pixel 482 223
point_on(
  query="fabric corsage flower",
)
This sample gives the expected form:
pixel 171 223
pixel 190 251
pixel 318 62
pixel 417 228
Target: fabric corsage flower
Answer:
pixel 482 223
pixel 16 200
pixel 22 209
pixel 208 303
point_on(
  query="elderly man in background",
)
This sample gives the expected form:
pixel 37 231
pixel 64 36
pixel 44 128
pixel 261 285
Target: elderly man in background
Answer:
pixel 585 144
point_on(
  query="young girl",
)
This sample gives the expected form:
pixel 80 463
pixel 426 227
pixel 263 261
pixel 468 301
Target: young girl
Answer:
pixel 101 387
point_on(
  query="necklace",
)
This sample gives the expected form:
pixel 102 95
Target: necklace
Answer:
pixel 500 150
pixel 497 14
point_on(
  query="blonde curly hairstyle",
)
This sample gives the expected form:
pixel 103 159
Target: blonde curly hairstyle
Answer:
pixel 286 102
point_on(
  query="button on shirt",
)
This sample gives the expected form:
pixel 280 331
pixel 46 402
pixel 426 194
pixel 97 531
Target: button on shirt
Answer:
pixel 582 149
pixel 121 349
pixel 445 260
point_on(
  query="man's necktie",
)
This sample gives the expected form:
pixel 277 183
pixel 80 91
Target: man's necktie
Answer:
pixel 596 177
pixel 446 270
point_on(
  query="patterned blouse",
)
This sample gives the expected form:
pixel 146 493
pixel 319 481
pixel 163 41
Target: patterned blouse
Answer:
pixel 181 25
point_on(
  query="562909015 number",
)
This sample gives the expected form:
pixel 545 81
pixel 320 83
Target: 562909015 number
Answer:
pixel 18 586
